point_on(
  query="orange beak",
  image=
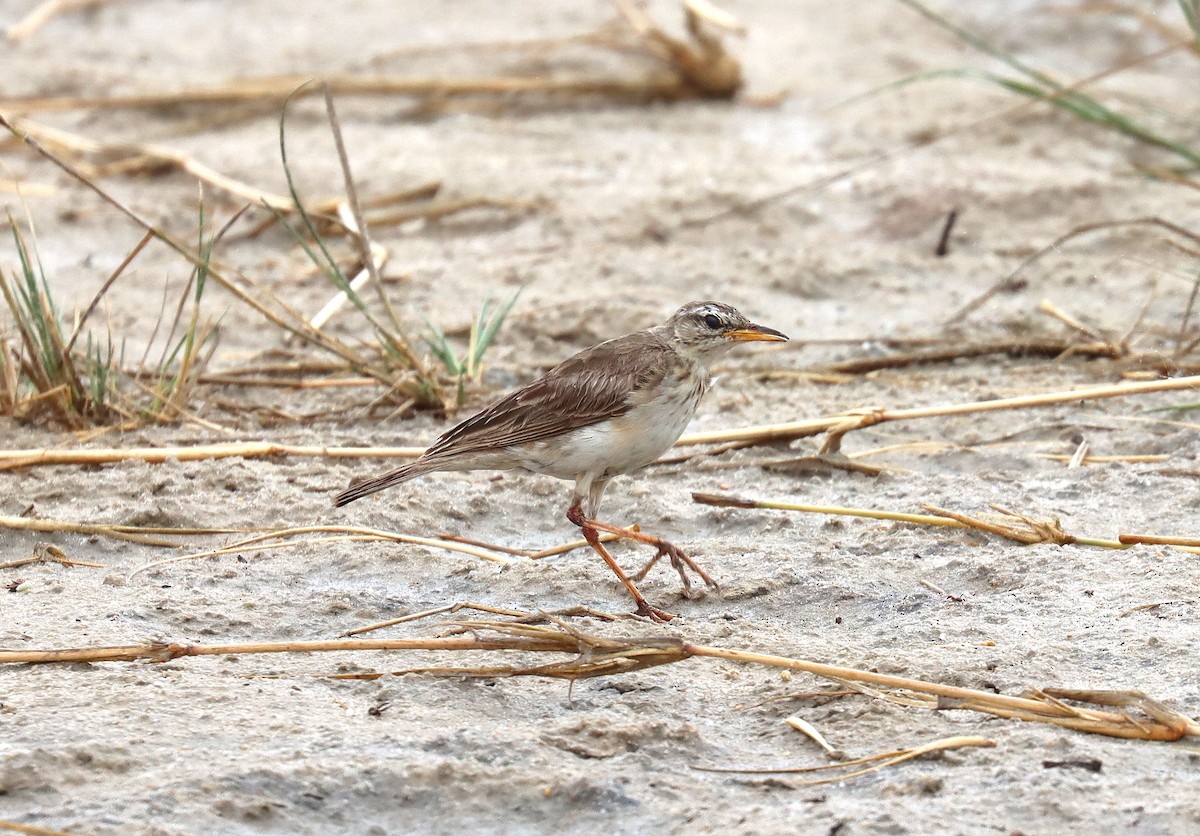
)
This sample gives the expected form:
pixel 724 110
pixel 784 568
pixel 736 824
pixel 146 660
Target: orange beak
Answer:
pixel 756 333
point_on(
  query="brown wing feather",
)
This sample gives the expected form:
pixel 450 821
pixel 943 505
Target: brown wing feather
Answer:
pixel 596 384
pixel 602 382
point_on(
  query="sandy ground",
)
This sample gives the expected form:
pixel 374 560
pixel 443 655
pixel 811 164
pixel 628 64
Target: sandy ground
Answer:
pixel 202 746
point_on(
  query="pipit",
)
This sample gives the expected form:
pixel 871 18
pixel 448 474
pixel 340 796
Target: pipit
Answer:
pixel 609 410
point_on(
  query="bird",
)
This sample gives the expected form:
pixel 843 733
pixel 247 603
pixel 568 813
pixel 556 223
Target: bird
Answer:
pixel 607 411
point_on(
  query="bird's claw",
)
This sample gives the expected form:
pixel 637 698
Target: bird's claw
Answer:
pixel 654 614
pixel 680 562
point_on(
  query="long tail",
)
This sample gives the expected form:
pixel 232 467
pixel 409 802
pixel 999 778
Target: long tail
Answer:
pixel 392 477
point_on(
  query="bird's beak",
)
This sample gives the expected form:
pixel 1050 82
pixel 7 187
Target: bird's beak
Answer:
pixel 756 333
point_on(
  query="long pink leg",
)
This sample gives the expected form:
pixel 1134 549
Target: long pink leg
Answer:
pixel 591 533
pixel 679 558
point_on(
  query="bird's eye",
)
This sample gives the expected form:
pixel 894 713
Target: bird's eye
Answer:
pixel 712 321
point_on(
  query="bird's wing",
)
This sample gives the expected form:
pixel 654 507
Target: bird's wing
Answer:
pixel 601 382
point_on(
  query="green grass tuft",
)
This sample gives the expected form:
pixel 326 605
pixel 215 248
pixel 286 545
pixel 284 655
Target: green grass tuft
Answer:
pixel 1034 84
pixel 484 330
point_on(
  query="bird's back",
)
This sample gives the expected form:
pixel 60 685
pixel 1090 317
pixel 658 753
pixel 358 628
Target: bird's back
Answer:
pixel 595 385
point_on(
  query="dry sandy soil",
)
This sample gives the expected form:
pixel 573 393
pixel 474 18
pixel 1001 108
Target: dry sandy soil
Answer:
pixel 204 746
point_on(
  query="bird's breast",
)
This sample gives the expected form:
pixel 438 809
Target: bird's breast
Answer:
pixel 648 430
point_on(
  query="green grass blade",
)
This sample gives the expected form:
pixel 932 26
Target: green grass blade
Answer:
pixel 1042 86
pixel 488 332
pixel 979 43
pixel 440 347
pixel 1191 13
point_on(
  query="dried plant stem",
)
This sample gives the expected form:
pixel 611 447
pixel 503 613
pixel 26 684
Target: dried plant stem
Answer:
pixel 32 829
pixel 258 543
pixel 838 425
pixel 275 89
pixel 128 533
pixel 1009 524
pixel 1145 458
pixel 11 459
pixel 156 652
pixel 87 312
pixel 155 156
pixel 1163 724
pixel 370 254
pixel 284 383
pixel 880 761
pixel 448 608
pixel 593 655
pixel 720 500
pixel 1150 539
pixel 1155 605
pixel 1014 348
pixel 520 616
pixel 49 553
pixel 554 551
pixel 286 318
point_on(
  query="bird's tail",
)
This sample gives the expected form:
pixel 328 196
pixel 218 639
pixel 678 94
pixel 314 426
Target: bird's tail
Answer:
pixel 392 477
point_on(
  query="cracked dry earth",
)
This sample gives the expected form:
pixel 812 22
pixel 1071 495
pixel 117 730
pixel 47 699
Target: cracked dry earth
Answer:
pixel 209 745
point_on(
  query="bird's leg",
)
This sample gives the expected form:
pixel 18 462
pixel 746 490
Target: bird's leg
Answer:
pixel 591 534
pixel 678 557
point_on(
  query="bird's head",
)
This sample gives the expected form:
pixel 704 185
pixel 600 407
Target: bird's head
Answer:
pixel 703 331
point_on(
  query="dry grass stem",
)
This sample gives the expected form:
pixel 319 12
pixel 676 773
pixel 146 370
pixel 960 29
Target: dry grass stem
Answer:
pixel 594 655
pixel 1011 348
pixel 838 425
pixel 448 608
pixel 372 255
pixel 1011 525
pixel 1150 539
pixel 880 761
pixel 1046 706
pixel 723 501
pixel 1050 309
pixel 377 258
pixel 933 587
pixel 519 616
pixel 671 69
pixel 225 379
pixel 357 533
pixel 32 829
pixel 554 551
pixel 1145 458
pixel 275 310
pixel 495 547
pixel 435 210
pixel 49 553
pixel 117 532
pixel 134 159
pixel 116 274
pixel 1077 458
pixel 14 459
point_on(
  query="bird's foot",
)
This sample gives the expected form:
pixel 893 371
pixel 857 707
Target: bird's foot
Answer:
pixel 680 562
pixel 654 614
